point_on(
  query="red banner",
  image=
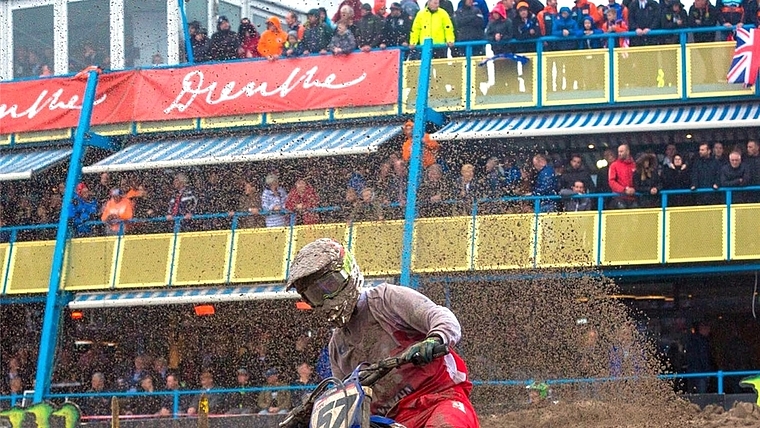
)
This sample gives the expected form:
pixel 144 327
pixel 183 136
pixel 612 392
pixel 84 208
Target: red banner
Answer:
pixel 318 82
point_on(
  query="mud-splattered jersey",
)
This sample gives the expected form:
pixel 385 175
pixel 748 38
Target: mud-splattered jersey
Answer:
pixel 389 318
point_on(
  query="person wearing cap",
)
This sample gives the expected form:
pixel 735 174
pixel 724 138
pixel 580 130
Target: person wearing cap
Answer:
pixel 274 402
pixel 396 28
pixel 224 43
pixel 293 24
pixel 387 321
pixel 241 402
pixel 525 28
pixel 316 35
pixel 249 39
pixel 293 47
pixel 83 208
pixel 272 39
pixel 116 211
pixel 369 29
pixel 433 23
pixel 429 150
pixel 201 44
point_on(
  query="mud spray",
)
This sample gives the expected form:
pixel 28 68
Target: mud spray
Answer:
pixel 567 328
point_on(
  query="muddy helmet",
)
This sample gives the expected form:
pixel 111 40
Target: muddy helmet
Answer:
pixel 326 276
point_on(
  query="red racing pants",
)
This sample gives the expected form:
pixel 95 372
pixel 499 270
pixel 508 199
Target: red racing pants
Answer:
pixel 447 409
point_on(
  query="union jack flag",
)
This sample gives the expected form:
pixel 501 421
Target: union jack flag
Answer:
pixel 746 62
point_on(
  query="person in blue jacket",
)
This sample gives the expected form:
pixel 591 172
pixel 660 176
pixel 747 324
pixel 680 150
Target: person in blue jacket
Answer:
pixel 83 209
pixel 566 28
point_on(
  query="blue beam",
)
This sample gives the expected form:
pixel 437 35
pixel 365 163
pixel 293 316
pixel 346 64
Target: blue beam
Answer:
pixel 94 140
pixel 434 116
pixel 415 161
pixel 186 31
pixel 55 297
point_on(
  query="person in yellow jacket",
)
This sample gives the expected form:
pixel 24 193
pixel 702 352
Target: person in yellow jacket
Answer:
pixel 433 23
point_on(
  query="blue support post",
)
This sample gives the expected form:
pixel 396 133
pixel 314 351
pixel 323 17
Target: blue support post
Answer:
pixel 186 32
pixel 55 298
pixel 415 161
pixel 684 66
pixel 611 73
pixel 729 201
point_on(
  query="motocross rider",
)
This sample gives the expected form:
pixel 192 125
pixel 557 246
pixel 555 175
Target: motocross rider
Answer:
pixel 387 320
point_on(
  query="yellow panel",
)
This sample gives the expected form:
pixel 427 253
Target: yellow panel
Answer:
pixel 363 112
pixel 377 247
pixel 90 263
pixel 166 126
pixel 202 258
pixel 576 77
pixel 567 239
pixel 297 116
pixel 631 237
pixel 144 260
pixel 503 84
pixel 447 84
pixel 113 129
pixel 707 69
pixel 302 235
pixel 4 253
pixel 43 136
pixel 647 73
pixel 695 234
pixel 504 241
pixel 30 267
pixel 744 237
pixel 5 140
pixel 260 254
pixel 230 121
pixel 442 244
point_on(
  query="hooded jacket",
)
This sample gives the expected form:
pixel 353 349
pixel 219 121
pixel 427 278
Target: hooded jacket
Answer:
pixel 434 25
pixel 468 22
pixel 502 26
pixel 480 4
pixel 224 44
pixel 545 19
pixel 561 24
pixel 430 147
pixel 249 44
pixel 586 43
pixel 272 41
pixel 583 8
pixel 316 38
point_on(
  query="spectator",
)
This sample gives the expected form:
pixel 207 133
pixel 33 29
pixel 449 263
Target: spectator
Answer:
pixel 410 7
pixel 732 13
pixel 173 384
pixel 674 17
pixel 293 47
pixel 667 158
pixel 241 402
pixel 429 150
pixel 249 39
pixel 752 13
pixel 183 203
pixel 499 31
pixel 148 405
pixel 348 17
pixel 274 402
pixel 589 29
pixel 369 30
pixel 468 26
pixel 201 45
pixel 433 23
pixel 620 10
pixel 735 174
pixel 390 186
pixel 367 207
pixel 273 200
pixel 702 14
pixel 116 212
pixel 719 153
pixel 161 371
pixel 292 24
pixel 215 401
pixel 305 378
pixel 676 176
pixel 83 209
pixel 343 42
pixel 546 183
pixel 614 24
pixel 621 179
pixel 577 204
pixel 96 406
pixel 433 192
pixel 448 6
pixel 249 202
pixel 525 29
pixel 576 172
pixel 564 26
pixel 467 191
pixel 546 17
pixel 699 357
pixel 354 5
pixel 224 43
pixel 272 39
pixel 316 35
pixel 646 180
pixel 301 200
pixel 705 174
pixel 752 160
pixel 643 17
pixel 397 27
pixel 585 8
pixel 323 18
pixel 495 181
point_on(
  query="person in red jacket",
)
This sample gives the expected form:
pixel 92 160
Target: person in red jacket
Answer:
pixel 301 200
pixel 621 179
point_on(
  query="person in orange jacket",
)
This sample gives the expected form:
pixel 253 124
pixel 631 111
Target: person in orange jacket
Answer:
pixel 272 39
pixel 429 151
pixel 116 211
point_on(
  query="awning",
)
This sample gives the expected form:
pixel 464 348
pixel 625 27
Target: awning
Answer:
pixel 21 165
pixel 259 147
pixel 181 296
pixel 680 118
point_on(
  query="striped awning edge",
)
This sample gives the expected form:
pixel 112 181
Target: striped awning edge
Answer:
pixel 677 118
pixel 21 165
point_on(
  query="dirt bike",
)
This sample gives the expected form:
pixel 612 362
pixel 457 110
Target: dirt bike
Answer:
pixel 336 403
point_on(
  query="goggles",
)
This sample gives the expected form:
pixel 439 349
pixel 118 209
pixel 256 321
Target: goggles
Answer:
pixel 323 287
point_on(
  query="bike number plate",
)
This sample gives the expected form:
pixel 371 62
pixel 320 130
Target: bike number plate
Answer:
pixel 337 408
